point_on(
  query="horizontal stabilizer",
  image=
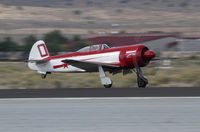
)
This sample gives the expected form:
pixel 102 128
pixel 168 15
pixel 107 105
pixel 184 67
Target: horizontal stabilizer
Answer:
pixel 13 60
pixel 37 61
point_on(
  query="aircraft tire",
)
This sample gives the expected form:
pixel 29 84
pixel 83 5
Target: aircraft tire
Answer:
pixel 108 86
pixel 43 76
pixel 141 83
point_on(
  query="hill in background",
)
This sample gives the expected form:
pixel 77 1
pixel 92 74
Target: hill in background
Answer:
pixel 24 17
pixel 167 5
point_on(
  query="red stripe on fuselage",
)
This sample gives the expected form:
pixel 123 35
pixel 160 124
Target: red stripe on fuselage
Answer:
pixel 60 66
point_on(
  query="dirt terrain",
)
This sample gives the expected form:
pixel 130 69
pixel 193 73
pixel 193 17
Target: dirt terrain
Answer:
pixel 22 17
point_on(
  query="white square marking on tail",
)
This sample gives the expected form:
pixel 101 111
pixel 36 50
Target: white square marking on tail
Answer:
pixel 42 50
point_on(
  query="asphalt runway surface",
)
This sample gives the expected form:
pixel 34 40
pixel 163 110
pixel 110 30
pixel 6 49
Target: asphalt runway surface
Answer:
pixel 113 114
pixel 100 92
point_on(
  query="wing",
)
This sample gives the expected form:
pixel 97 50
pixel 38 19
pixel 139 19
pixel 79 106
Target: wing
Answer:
pixel 90 66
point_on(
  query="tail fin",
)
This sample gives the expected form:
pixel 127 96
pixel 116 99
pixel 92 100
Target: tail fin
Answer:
pixel 38 52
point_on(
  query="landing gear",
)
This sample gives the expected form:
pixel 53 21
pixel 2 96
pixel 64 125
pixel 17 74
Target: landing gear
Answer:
pixel 141 83
pixel 108 86
pixel 43 75
pixel 105 81
pixel 141 80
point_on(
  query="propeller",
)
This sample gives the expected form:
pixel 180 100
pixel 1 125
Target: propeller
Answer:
pixel 147 55
pixel 137 58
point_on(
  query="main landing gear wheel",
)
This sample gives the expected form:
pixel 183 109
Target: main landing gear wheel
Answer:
pixel 141 83
pixel 108 86
pixel 141 80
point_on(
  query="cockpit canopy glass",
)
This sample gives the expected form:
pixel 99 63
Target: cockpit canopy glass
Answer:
pixel 105 46
pixel 85 49
pixel 94 48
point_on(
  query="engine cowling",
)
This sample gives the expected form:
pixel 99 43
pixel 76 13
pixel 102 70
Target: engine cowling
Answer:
pixel 136 56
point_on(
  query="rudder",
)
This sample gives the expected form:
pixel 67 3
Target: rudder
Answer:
pixel 38 52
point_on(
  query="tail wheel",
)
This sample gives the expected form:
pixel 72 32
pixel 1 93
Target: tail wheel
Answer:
pixel 43 76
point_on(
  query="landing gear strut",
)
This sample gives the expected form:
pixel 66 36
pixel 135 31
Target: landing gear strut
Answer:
pixel 43 75
pixel 141 80
pixel 105 81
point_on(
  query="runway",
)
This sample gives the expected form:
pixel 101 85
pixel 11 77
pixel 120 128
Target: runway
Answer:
pixel 128 114
pixel 101 92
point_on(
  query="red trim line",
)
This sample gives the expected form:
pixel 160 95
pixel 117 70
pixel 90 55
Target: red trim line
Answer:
pixel 45 48
pixel 60 66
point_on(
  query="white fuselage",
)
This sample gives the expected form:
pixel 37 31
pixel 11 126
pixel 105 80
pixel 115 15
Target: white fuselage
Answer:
pixel 56 65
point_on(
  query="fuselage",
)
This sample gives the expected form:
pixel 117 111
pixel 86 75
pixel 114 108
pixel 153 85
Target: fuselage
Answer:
pixel 123 57
pixel 94 58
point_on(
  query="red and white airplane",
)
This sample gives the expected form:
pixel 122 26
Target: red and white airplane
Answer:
pixel 94 58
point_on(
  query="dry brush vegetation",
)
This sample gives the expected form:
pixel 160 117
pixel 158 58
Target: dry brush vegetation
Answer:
pixel 185 73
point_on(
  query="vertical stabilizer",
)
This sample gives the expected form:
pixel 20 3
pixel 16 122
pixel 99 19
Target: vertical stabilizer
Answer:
pixel 39 51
